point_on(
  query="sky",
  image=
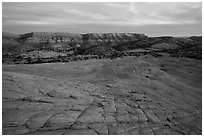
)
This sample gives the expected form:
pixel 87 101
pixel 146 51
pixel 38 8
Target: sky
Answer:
pixel 152 19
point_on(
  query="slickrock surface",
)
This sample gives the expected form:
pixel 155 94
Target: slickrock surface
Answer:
pixel 128 96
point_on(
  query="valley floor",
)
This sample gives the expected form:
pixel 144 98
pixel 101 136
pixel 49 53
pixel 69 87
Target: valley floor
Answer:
pixel 132 95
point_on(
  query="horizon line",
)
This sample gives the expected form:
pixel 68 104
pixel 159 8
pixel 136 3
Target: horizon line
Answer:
pixel 99 33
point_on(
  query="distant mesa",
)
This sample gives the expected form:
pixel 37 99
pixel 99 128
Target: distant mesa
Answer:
pixel 100 44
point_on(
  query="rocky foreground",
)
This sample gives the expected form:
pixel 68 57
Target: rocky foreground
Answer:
pixel 143 95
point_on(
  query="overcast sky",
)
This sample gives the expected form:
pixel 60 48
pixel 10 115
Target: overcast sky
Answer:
pixel 152 19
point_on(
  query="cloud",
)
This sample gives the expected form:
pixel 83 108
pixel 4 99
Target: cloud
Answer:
pixel 36 15
pixel 166 13
pixel 90 15
pixel 18 22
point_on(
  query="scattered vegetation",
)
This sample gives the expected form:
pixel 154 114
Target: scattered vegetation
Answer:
pixel 68 47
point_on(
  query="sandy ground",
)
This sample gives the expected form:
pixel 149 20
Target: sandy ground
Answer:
pixel 123 96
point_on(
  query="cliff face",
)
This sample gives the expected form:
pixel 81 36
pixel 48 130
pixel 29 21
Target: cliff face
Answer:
pixel 69 37
pixel 97 43
pixel 70 40
pixel 111 38
pixel 48 37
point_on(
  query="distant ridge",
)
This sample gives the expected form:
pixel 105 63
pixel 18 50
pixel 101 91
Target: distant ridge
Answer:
pixel 97 43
